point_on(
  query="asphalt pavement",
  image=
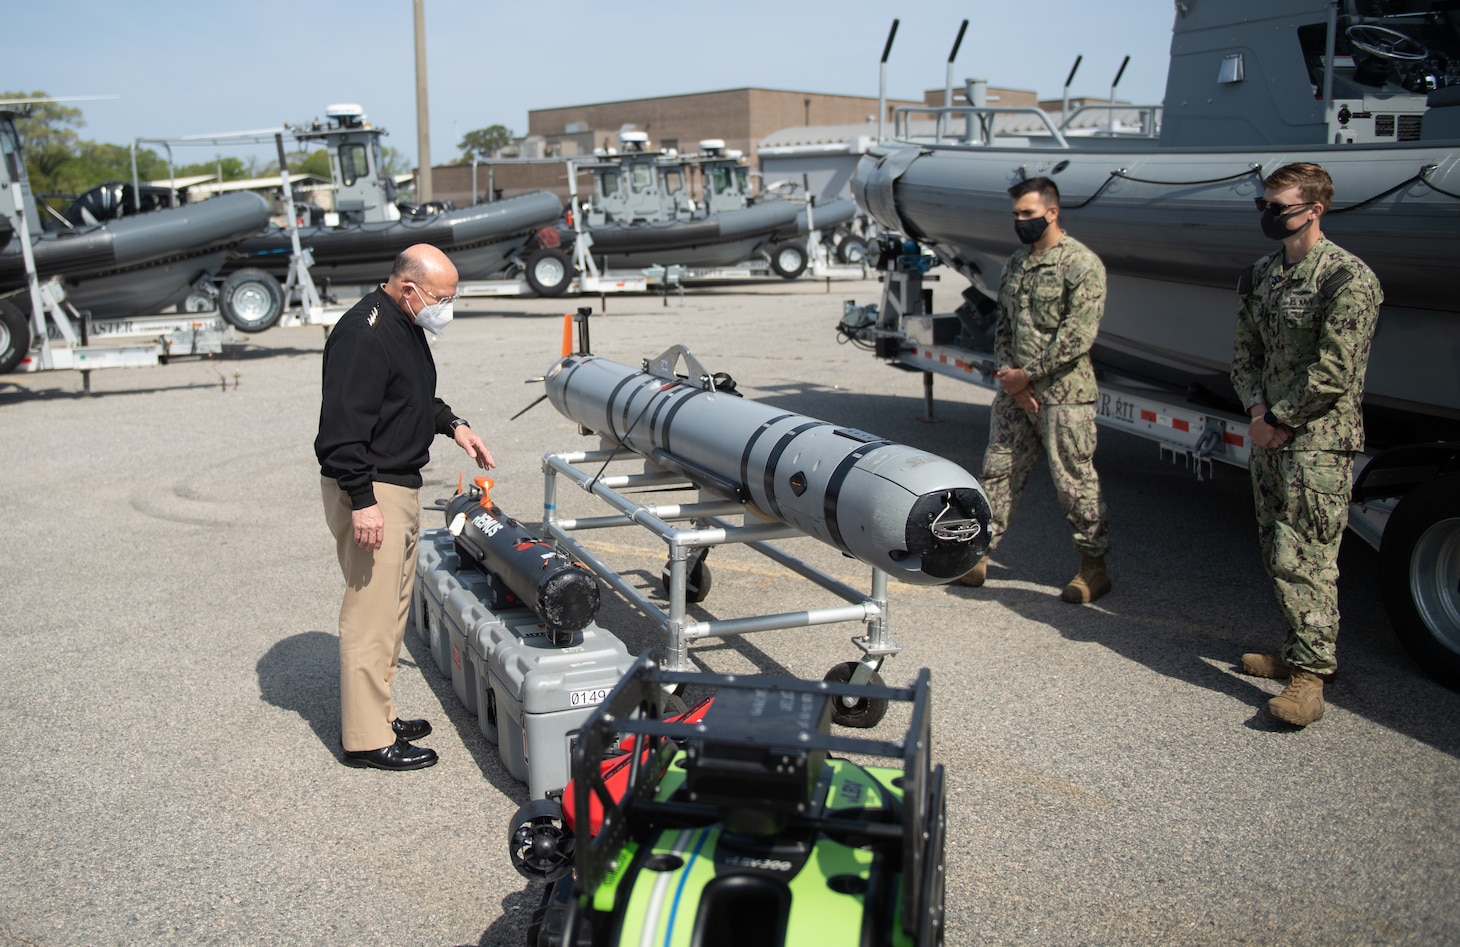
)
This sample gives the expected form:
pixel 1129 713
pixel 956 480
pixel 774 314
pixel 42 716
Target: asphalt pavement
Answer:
pixel 171 770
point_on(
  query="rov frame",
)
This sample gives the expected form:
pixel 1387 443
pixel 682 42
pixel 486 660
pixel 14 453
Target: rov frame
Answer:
pixel 749 772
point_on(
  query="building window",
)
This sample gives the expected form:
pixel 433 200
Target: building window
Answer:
pixel 670 144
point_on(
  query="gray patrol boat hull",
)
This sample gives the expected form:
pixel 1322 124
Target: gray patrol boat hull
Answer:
pixel 1173 216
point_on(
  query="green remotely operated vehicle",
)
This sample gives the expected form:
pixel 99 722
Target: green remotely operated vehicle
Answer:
pixel 734 823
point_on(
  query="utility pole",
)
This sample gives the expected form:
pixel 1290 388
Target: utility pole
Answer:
pixel 423 110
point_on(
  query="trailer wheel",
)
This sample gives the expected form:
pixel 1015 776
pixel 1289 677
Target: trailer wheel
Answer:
pixel 853 250
pixel 14 335
pixel 1419 570
pixel 549 271
pixel 860 712
pixel 788 260
pixel 252 300
pixel 696 583
pixel 198 301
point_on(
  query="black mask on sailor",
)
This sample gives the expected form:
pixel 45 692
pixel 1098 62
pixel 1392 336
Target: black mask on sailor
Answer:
pixel 1275 225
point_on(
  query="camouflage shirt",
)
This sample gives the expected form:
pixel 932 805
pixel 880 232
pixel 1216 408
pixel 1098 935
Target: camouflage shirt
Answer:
pixel 1049 312
pixel 1302 343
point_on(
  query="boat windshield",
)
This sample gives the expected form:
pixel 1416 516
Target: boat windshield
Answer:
pixel 673 181
pixel 10 145
pixel 608 182
pixel 353 164
pixel 641 177
pixel 722 179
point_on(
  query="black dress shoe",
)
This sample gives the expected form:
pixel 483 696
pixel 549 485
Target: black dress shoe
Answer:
pixel 399 755
pixel 411 730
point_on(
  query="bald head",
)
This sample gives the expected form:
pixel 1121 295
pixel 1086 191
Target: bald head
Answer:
pixel 421 270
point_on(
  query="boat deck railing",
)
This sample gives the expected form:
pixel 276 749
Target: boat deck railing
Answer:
pixel 1030 127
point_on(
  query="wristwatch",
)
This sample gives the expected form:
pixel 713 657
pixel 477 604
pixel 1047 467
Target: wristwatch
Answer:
pixel 458 422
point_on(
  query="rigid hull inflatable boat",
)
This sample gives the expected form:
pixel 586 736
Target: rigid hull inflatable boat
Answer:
pixel 642 214
pixel 132 265
pixel 1165 194
pixel 357 241
pixel 479 240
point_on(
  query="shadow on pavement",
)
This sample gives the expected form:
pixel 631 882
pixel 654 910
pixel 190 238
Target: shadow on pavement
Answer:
pixel 302 673
pixel 1184 562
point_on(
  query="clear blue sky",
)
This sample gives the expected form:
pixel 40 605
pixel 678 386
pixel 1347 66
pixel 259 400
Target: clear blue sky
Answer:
pixel 186 68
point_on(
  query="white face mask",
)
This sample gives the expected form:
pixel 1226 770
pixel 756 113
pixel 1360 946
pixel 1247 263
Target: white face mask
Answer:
pixel 435 317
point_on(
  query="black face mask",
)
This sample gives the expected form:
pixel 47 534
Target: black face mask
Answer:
pixel 1277 227
pixel 1030 231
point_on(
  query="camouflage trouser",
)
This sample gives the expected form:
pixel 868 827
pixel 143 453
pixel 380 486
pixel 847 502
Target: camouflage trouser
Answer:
pixel 1302 502
pixel 1066 433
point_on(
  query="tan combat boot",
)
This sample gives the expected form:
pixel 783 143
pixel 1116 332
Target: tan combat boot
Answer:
pixel 974 577
pixel 1301 702
pixel 1089 583
pixel 1265 665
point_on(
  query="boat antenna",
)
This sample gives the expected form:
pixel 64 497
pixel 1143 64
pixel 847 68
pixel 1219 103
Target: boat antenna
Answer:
pixel 948 81
pixel 1110 110
pixel 882 81
pixel 1065 108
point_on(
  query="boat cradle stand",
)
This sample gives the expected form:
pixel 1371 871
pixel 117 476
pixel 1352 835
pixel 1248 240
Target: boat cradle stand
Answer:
pixel 705 524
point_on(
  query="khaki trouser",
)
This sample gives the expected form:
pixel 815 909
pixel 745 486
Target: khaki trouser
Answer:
pixel 378 587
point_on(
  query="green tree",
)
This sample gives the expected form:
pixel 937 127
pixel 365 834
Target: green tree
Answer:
pixel 394 161
pixel 313 162
pixel 48 135
pixel 316 162
pixel 481 143
pixel 231 168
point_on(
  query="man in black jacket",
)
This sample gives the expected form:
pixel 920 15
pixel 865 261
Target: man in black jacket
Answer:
pixel 377 418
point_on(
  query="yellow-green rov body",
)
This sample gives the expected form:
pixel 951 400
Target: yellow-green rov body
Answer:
pixel 743 828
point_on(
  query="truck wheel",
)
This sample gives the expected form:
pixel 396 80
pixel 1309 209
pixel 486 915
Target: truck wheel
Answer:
pixel 862 712
pixel 14 335
pixel 788 260
pixel 252 300
pixel 549 271
pixel 1419 569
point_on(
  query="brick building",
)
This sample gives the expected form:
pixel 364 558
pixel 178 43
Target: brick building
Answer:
pixel 741 117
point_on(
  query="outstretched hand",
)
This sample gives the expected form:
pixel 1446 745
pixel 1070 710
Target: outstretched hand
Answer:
pixel 475 448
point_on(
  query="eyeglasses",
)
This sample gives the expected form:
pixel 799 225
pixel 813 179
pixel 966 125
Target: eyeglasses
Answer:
pixel 1280 209
pixel 434 297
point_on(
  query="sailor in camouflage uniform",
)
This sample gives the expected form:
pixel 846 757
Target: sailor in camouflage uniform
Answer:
pixel 1305 321
pixel 1050 302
